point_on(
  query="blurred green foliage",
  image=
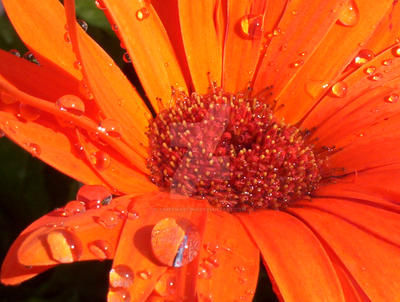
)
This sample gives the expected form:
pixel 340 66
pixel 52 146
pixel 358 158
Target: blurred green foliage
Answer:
pixel 30 189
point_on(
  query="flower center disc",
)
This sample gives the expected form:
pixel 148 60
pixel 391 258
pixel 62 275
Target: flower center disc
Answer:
pixel 231 150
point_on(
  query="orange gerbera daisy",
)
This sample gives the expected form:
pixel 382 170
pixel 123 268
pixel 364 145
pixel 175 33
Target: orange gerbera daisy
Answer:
pixel 271 128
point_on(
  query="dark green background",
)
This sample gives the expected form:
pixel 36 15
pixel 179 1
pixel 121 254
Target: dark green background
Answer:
pixel 30 189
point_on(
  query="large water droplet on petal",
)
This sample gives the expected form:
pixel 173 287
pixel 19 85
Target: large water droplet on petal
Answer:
pixel 108 219
pixel 363 56
pixel 349 15
pixel 339 89
pixel 142 13
pixel 121 276
pixel 94 196
pixel 71 103
pixel 74 207
pixel 110 127
pixel 64 246
pixel 100 159
pixel 396 51
pixel 118 295
pixel 175 242
pixel 251 26
pixel 28 112
pixel 101 249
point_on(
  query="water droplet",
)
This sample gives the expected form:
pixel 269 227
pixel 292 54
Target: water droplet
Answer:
pixel 15 52
pixel 165 286
pixel 251 26
pixel 110 127
pixel 145 275
pixel 363 56
pixel 100 5
pixel 376 77
pixel 30 57
pixel 175 242
pixel 34 149
pixel 28 112
pixel 94 196
pixel 101 249
pixel 71 103
pixel 296 64
pixel 131 213
pixel 114 27
pixel 387 62
pixel 349 14
pixel 121 276
pixel 100 159
pixel 204 271
pixel 396 51
pixel 118 295
pixel 142 13
pixel 339 89
pixel 295 12
pixel 77 65
pixel 83 24
pixel 64 246
pixel 74 207
pixel 315 88
pixel 108 219
pixel 392 98
pixel 370 70
pixel 126 58
pixel 212 261
pixel 7 98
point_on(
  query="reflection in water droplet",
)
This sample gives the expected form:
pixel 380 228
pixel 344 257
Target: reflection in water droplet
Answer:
pixel 339 89
pixel 71 103
pixel 370 70
pixel 387 62
pixel 118 295
pixel 100 159
pixel 100 4
pixel 83 24
pixel 94 196
pixel 396 51
pixel 315 88
pixel 73 207
pixel 392 98
pixel 64 246
pixel 175 242
pixel 108 219
pixel 28 112
pixel 34 149
pixel 121 276
pixel 101 249
pixel 349 15
pixel 110 127
pixel 204 271
pixel 251 26
pixel 126 58
pixel 30 57
pixel 296 64
pixel 142 13
pixel 363 56
pixel 376 77
pixel 15 52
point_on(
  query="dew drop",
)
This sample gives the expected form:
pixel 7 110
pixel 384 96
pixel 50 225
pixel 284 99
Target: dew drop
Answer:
pixel 100 5
pixel 363 56
pixel 314 88
pixel 370 70
pixel 131 213
pixel 212 261
pixel 175 242
pixel 349 15
pixel 74 207
pixel 121 276
pixel 100 159
pixel 110 127
pixel 115 28
pixel 83 24
pixel 126 58
pixel 94 196
pixel 15 52
pixel 376 77
pixel 251 26
pixel 34 149
pixel 30 57
pixel 145 275
pixel 392 98
pixel 101 249
pixel 142 13
pixel 387 62
pixel 396 51
pixel 64 246
pixel 339 89
pixel 28 112
pixel 77 65
pixel 118 295
pixel 108 219
pixel 165 286
pixel 204 271
pixel 71 103
pixel 296 64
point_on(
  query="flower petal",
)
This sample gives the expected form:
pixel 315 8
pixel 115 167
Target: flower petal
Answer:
pixel 41 25
pixel 149 48
pixel 366 257
pixel 202 27
pixel 296 260
pixel 134 248
pixel 114 94
pixel 54 239
pixel 229 260
pixel 328 55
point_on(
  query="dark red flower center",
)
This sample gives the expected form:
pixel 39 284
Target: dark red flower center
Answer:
pixel 231 150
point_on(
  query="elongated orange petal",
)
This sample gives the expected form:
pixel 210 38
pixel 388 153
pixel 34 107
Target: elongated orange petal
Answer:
pixel 134 252
pixel 114 94
pixel 149 48
pixel 244 36
pixel 365 256
pixel 203 30
pixel 323 62
pixel 41 25
pixel 229 260
pixel 300 268
pixel 55 239
pixel 116 171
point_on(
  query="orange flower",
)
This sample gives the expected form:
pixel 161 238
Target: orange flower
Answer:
pixel 320 205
